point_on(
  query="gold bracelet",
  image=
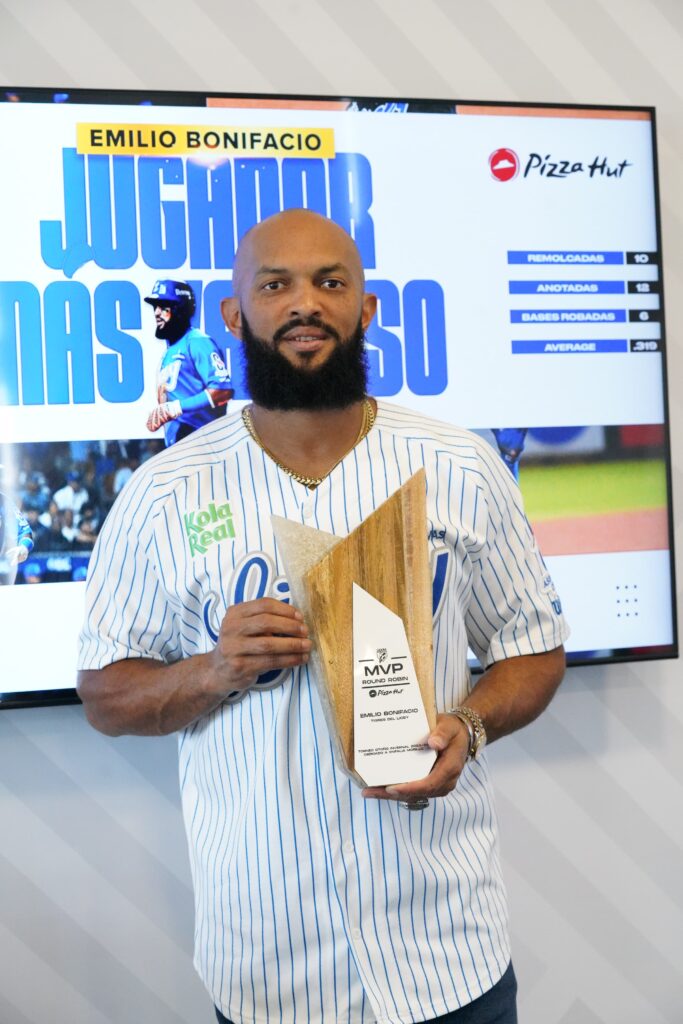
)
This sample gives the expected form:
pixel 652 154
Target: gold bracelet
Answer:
pixel 475 728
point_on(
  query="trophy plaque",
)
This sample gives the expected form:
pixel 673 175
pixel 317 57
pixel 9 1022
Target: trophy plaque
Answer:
pixel 367 601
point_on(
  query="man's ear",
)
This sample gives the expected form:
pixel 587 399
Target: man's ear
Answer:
pixel 230 311
pixel 368 310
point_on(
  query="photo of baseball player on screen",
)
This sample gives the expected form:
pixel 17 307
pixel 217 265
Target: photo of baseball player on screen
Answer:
pixel 193 386
pixel 16 539
pixel 510 441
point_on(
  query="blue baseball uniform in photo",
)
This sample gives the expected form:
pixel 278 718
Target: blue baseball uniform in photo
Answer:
pixel 312 904
pixel 190 367
pixel 15 529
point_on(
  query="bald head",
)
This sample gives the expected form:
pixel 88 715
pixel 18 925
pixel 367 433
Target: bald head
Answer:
pixel 294 232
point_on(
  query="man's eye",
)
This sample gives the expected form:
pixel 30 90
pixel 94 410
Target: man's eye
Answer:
pixel 332 283
pixel 272 286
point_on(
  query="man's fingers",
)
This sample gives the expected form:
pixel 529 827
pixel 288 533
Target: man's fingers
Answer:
pixel 264 613
pixel 158 417
pixel 12 555
pixel 271 645
pixel 405 791
pixel 153 423
pixel 259 636
pixel 263 628
pixel 272 625
pixel 441 780
pixel 447 727
pixel 249 666
pixel 266 604
pixel 276 655
pixel 242 668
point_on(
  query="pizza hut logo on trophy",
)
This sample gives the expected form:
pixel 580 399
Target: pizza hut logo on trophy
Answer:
pixel 504 164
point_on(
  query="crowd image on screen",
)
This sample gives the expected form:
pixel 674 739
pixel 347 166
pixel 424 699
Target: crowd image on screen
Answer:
pixel 64 490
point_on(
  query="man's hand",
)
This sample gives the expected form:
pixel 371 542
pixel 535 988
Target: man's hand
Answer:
pixel 509 695
pixel 256 637
pixel 162 414
pixel 451 741
pixel 145 697
pixel 17 555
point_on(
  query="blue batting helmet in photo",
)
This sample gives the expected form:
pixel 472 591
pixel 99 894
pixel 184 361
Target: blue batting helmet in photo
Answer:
pixel 177 294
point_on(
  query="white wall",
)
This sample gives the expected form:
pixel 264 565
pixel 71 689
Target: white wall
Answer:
pixel 95 904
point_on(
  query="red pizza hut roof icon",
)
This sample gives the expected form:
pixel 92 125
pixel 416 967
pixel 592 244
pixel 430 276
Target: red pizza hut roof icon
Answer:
pixel 504 164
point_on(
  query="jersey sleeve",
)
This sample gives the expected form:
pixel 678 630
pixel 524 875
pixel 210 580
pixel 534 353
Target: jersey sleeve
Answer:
pixel 514 608
pixel 24 531
pixel 126 612
pixel 208 363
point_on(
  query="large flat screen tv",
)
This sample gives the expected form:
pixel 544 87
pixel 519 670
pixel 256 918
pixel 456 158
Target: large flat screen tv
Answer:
pixel 515 252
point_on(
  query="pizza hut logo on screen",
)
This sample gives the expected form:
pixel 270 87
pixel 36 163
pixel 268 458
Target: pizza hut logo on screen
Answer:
pixel 504 164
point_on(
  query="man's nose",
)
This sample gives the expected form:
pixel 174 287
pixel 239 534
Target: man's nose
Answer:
pixel 305 300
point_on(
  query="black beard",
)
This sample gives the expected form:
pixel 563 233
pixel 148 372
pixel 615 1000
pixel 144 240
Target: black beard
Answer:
pixel 172 329
pixel 274 383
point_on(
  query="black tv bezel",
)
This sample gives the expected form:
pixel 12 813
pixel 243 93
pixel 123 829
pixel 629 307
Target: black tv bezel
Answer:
pixel 197 100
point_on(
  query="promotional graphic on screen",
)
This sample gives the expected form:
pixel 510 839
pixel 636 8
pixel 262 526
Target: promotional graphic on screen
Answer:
pixel 514 252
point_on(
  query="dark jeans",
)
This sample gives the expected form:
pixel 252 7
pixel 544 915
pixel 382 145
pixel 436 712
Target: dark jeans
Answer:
pixel 497 1006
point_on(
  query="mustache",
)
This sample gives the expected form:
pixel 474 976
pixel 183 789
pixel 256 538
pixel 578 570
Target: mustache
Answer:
pixel 309 321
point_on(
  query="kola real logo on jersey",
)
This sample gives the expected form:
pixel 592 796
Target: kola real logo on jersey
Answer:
pixel 207 526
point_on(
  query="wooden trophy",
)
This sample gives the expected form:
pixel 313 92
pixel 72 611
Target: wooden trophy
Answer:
pixel 367 601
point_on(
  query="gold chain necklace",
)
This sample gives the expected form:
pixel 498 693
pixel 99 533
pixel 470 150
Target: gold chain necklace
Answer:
pixel 367 423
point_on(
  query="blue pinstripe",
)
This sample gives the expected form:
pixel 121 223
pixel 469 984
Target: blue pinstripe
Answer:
pixel 321 821
pixel 386 894
pixel 417 946
pixel 438 861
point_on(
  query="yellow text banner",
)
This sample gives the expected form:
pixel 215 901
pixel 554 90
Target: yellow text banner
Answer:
pixel 166 139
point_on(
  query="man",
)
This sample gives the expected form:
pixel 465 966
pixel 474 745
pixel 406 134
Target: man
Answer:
pixel 16 539
pixel 32 517
pixel 87 527
pixel 35 494
pixel 59 535
pixel 316 901
pixel 510 441
pixel 193 385
pixel 72 496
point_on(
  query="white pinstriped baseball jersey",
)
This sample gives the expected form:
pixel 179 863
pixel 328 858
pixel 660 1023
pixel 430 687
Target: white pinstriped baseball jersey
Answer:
pixel 313 904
